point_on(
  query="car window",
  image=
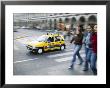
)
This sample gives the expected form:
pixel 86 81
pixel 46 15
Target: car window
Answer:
pixel 50 39
pixel 57 38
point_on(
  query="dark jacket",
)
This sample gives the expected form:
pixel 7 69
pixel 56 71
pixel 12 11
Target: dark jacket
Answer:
pixel 94 42
pixel 77 39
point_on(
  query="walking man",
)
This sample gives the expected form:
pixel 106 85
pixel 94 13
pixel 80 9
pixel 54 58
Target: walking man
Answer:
pixel 77 39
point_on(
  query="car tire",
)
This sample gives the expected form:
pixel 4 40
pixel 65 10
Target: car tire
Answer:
pixel 40 51
pixel 62 47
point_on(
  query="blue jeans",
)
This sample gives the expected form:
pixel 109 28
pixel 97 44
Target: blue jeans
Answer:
pixel 88 53
pixel 93 63
pixel 77 48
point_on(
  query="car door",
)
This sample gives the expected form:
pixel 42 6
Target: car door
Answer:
pixel 57 42
pixel 50 42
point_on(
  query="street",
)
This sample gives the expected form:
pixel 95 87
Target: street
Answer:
pixel 49 63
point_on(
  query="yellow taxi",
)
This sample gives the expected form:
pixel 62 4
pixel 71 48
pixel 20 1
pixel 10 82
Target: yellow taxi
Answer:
pixel 47 42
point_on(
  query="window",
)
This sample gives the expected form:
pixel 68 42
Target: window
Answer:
pixel 50 39
pixel 57 38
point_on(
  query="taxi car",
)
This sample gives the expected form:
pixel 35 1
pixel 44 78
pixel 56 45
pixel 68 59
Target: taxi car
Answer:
pixel 47 42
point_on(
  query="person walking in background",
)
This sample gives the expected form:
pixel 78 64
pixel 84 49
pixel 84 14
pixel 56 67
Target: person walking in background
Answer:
pixel 68 34
pixel 64 33
pixel 94 50
pixel 87 45
pixel 77 47
pixel 68 31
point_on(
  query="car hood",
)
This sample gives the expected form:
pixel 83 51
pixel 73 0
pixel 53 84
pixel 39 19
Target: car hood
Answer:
pixel 36 43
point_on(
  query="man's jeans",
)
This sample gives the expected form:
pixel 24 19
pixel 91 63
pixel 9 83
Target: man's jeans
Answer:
pixel 93 63
pixel 91 58
pixel 77 48
pixel 88 53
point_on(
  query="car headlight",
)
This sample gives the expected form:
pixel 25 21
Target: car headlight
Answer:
pixel 33 47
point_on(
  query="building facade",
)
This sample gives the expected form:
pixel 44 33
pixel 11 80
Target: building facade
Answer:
pixel 54 20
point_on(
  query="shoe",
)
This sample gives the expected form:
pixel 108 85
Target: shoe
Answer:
pixel 70 67
pixel 95 72
pixel 80 63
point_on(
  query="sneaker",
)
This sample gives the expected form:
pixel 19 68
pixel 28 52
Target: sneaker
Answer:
pixel 70 67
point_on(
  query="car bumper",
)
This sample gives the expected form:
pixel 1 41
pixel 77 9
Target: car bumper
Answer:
pixel 31 49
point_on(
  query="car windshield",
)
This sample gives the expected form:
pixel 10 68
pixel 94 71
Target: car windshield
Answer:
pixel 41 38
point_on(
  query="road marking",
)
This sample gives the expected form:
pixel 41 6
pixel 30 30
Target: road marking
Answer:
pixel 62 54
pixel 73 49
pixel 68 58
pixel 68 49
pixel 57 55
pixel 25 60
pixel 63 59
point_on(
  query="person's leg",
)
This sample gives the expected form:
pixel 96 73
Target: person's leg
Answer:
pixel 93 63
pixel 86 61
pixel 88 56
pixel 74 56
pixel 78 54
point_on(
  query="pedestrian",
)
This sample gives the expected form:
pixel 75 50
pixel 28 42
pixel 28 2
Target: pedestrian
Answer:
pixel 94 51
pixel 77 47
pixel 68 34
pixel 87 45
pixel 65 33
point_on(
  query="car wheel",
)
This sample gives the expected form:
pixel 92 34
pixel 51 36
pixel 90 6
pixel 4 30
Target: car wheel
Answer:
pixel 62 47
pixel 40 51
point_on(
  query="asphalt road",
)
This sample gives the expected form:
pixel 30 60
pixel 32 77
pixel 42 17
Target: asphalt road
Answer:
pixel 48 63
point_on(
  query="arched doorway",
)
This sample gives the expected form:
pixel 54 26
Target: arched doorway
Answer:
pixel 82 20
pixel 67 24
pixel 60 20
pixel 50 24
pixel 67 20
pixel 92 19
pixel 55 24
pixel 73 23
